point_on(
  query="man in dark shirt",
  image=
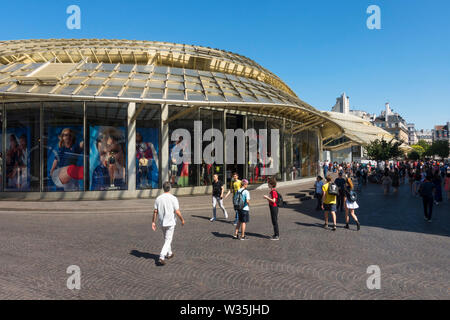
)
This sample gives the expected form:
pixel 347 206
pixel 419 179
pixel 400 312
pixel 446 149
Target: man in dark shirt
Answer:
pixel 217 197
pixel 426 191
pixel 340 182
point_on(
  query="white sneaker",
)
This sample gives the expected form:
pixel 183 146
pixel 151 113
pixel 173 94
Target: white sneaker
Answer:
pixel 212 219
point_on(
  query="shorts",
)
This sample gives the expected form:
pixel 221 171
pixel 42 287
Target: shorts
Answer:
pixel 329 207
pixel 244 216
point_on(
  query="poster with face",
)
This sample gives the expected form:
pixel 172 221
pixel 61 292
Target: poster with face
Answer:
pixel 147 158
pixel 65 159
pixel 18 159
pixel 107 158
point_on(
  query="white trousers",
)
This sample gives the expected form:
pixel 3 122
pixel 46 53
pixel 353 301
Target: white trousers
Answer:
pixel 216 200
pixel 168 236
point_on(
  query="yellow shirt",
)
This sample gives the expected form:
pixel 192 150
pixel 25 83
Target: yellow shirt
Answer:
pixel 329 199
pixel 235 186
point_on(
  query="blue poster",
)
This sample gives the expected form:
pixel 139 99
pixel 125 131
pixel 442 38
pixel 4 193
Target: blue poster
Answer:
pixel 65 159
pixel 147 159
pixel 107 158
pixel 18 142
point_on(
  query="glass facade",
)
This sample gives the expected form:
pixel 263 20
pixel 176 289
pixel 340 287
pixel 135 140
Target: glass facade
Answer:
pixel 83 146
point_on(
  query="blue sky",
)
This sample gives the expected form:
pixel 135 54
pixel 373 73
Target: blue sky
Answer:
pixel 319 48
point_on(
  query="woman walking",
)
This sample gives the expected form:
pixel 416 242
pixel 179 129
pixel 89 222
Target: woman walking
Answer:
pixel 350 204
pixel 438 185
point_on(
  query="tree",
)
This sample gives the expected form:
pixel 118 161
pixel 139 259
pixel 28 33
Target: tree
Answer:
pixel 439 148
pixel 426 147
pixel 382 150
pixel 414 155
pixel 418 149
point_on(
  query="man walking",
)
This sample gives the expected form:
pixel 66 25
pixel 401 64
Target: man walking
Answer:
pixel 426 190
pixel 340 182
pixel 217 197
pixel 329 203
pixel 166 206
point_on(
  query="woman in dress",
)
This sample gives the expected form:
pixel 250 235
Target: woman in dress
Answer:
pixel 350 203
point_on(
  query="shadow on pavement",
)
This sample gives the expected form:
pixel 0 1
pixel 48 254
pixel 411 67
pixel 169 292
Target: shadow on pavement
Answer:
pixel 208 218
pixel 145 255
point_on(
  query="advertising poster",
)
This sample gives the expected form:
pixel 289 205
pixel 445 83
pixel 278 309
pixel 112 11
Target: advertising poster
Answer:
pixel 179 173
pixel 18 143
pixel 107 158
pixel 65 159
pixel 147 158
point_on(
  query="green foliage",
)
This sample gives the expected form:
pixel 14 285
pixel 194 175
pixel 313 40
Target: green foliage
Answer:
pixel 414 155
pixel 439 148
pixel 382 150
pixel 419 149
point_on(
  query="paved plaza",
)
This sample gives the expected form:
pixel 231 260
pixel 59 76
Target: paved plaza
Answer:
pixel 116 250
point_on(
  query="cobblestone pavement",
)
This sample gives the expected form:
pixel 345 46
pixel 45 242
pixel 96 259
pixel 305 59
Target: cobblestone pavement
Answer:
pixel 117 251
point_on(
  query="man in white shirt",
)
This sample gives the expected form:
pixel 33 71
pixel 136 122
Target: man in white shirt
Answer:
pixel 166 206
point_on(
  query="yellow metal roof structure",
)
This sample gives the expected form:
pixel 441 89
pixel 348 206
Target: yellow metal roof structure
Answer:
pixel 356 131
pixel 150 72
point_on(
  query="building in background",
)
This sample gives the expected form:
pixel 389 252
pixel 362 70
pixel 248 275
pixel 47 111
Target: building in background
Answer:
pixel 442 132
pixel 364 115
pixel 412 134
pixel 393 123
pixel 426 135
pixel 342 104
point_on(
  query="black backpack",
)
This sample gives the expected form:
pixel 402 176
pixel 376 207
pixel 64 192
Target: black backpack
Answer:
pixel 333 189
pixel 352 196
pixel 280 201
pixel 238 201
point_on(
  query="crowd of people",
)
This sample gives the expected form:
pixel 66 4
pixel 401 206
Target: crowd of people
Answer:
pixel 340 195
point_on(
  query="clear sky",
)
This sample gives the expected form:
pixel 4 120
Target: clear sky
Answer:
pixel 319 48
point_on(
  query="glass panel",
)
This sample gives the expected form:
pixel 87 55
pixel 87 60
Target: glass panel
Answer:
pixel 63 146
pixel 161 70
pixel 132 93
pixel 76 80
pixel 144 69
pixel 122 75
pixel 214 97
pixel 89 91
pixel 95 81
pixel 213 164
pixel 147 147
pixel 156 84
pixel 248 98
pixel 194 86
pixel 257 163
pixel 140 76
pixel 175 94
pixel 126 68
pixel 116 82
pixel 136 84
pixel 176 71
pixel 67 90
pixel 192 79
pixel 111 92
pixel 176 78
pixel 190 72
pixel 233 98
pixel 195 95
pixel 22 147
pixel 22 88
pixel 102 74
pixel 154 93
pixel 182 173
pixel 107 134
pixel 175 85
pixel 108 67
pixel 158 76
